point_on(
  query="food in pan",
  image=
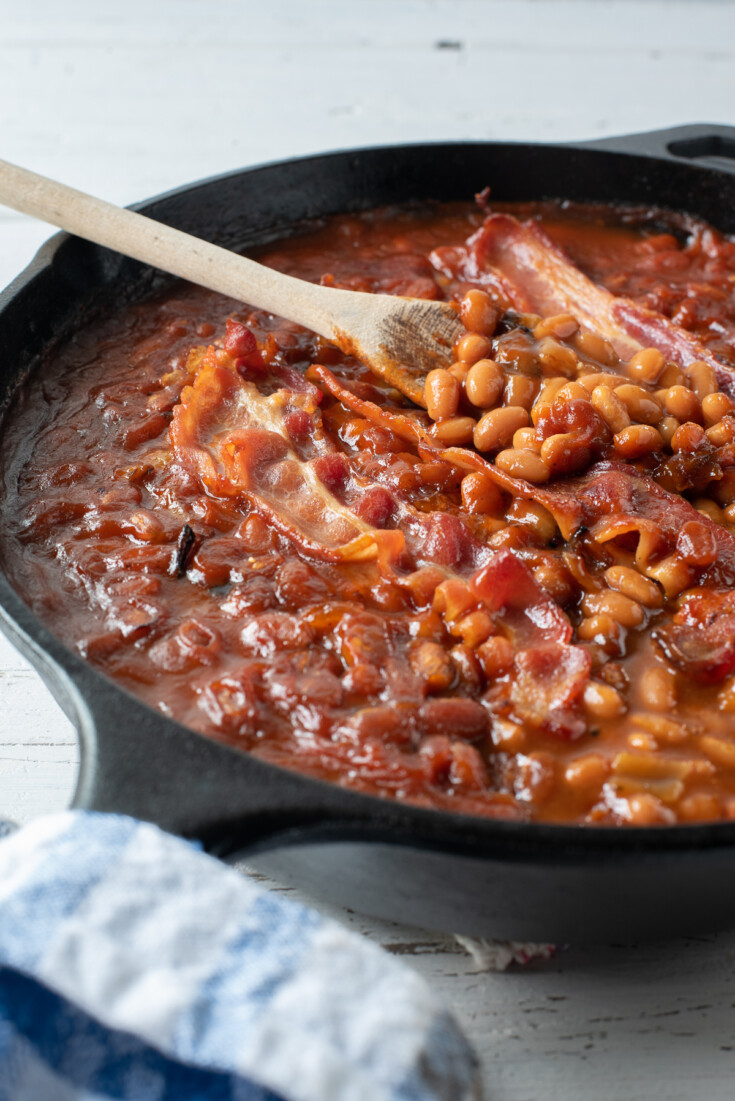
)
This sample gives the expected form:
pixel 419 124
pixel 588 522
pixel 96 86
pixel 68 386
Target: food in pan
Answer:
pixel 517 602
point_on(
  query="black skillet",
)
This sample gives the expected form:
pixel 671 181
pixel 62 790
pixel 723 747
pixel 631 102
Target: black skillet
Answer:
pixel 438 870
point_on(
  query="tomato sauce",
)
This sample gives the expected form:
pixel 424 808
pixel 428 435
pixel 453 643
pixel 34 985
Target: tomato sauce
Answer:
pixel 520 605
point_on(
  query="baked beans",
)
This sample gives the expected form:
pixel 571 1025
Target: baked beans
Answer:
pixel 484 383
pixel 495 429
pixel 441 391
pixel 515 602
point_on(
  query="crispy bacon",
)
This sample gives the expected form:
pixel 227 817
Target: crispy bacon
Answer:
pixel 653 330
pixel 238 443
pixel 613 500
pixel 701 638
pixel 536 276
pixel 540 278
pixel 438 537
pixel 549 674
pixel 512 595
pixel 547 688
pixel 412 428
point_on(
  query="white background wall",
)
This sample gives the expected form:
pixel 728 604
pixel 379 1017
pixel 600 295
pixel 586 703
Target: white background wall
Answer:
pixel 127 99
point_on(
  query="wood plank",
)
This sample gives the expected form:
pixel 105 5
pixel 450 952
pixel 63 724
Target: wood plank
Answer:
pixel 651 1021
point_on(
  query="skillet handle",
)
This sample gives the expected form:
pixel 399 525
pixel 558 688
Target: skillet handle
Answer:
pixel 708 144
pixel 139 763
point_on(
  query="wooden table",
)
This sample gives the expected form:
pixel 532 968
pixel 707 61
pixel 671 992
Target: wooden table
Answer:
pixel 128 100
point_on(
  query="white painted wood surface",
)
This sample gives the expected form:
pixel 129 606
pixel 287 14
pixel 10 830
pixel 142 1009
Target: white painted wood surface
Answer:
pixel 129 99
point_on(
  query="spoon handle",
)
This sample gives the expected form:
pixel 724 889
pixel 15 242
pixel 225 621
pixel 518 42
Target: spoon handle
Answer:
pixel 171 250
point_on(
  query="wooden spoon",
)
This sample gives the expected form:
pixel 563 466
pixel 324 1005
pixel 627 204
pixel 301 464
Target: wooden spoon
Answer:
pixel 400 339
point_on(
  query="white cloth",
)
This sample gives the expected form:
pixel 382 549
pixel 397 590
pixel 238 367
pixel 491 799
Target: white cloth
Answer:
pixel 133 966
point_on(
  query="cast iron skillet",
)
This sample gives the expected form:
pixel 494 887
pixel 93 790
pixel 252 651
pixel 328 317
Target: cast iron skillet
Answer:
pixel 442 871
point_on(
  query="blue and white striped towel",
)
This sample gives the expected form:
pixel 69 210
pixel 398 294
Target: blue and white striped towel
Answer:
pixel 135 967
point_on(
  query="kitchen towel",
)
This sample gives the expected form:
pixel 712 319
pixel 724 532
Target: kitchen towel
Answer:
pixel 135 967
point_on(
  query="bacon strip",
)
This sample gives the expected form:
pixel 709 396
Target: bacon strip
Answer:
pixel 538 277
pixel 544 280
pixel 613 500
pixel 404 425
pixel 237 441
pixel 547 688
pixel 234 438
pixel 549 674
pixel 653 330
pixel 510 592
pixel 438 537
pixel 412 429
pixel 701 639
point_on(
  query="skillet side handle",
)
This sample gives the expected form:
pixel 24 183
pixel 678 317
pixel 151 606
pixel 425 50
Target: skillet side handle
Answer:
pixel 138 763
pixel 708 144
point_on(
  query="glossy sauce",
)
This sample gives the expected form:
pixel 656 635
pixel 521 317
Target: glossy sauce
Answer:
pixel 223 601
